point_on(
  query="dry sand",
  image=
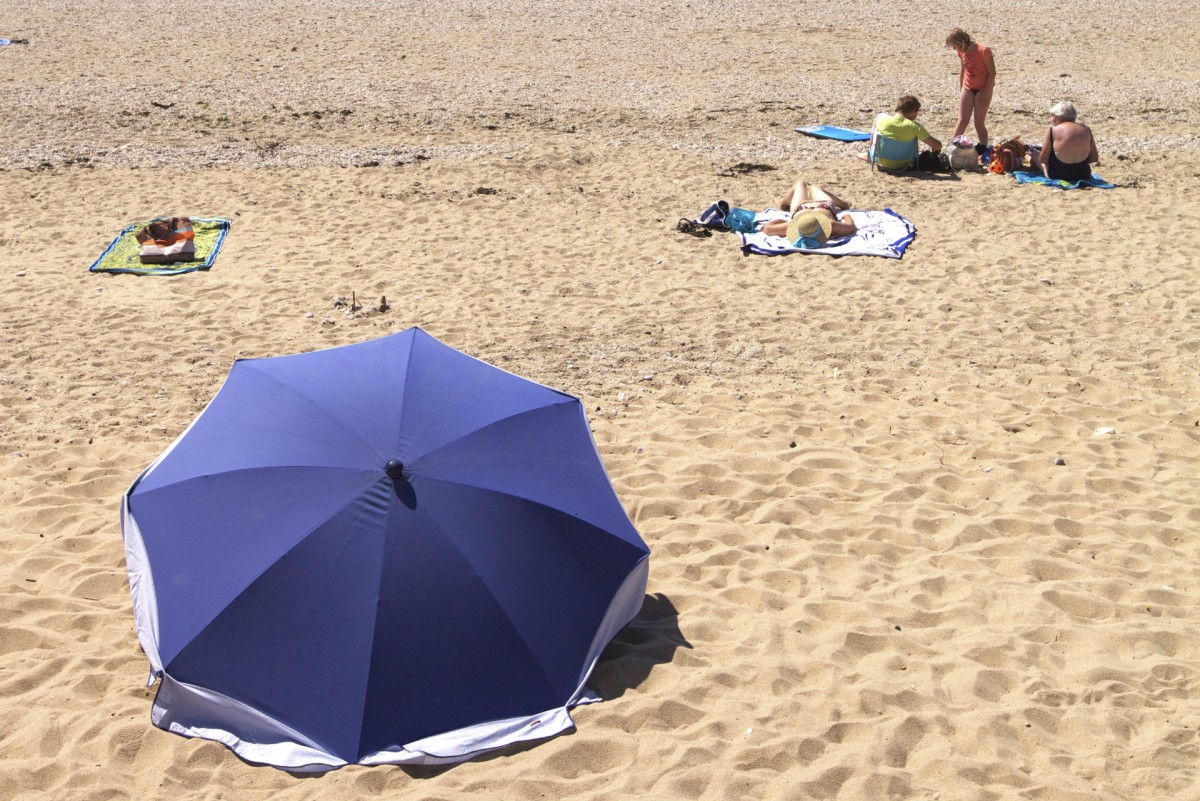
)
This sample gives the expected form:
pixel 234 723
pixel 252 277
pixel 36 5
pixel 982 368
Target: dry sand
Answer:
pixel 892 558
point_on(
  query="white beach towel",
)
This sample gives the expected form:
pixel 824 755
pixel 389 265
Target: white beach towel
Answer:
pixel 880 233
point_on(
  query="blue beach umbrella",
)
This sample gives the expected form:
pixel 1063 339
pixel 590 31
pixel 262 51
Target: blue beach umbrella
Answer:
pixel 387 552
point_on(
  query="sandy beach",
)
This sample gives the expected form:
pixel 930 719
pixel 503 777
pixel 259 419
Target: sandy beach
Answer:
pixel 920 529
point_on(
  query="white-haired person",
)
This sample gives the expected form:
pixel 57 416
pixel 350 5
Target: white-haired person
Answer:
pixel 815 216
pixel 1069 150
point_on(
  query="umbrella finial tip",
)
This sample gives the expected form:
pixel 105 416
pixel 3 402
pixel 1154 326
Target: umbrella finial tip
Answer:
pixel 394 469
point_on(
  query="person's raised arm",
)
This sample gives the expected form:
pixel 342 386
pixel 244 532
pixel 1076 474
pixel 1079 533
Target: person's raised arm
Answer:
pixel 838 202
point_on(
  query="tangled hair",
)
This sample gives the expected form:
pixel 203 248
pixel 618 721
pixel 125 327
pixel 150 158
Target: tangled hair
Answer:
pixel 958 39
pixel 1064 109
pixel 908 105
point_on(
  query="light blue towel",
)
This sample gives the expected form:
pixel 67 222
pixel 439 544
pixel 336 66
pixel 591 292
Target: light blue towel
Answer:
pixel 1027 177
pixel 834 132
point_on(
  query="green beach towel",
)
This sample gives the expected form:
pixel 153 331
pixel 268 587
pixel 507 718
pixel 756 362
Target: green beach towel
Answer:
pixel 121 256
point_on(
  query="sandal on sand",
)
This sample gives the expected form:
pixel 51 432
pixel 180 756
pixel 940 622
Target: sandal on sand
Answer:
pixel 687 226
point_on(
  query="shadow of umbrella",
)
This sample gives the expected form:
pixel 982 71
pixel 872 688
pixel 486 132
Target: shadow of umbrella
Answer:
pixel 650 639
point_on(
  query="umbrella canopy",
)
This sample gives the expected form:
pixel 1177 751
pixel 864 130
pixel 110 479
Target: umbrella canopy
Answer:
pixel 387 552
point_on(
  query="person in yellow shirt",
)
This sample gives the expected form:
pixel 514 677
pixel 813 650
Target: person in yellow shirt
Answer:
pixel 902 126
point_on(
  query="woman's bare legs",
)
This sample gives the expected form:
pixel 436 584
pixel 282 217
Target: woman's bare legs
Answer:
pixel 983 101
pixel 966 104
pixel 804 192
pixel 974 105
pixel 797 194
pixel 821 193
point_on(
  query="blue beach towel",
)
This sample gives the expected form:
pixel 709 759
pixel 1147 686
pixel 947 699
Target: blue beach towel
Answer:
pixel 834 132
pixel 880 233
pixel 121 255
pixel 1027 177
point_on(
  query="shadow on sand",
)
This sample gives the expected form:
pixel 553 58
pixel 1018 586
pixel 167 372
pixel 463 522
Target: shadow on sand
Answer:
pixel 650 639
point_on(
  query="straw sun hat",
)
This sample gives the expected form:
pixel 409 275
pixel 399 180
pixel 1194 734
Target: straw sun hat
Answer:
pixel 809 226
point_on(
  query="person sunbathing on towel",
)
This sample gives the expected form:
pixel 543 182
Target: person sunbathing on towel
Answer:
pixel 815 216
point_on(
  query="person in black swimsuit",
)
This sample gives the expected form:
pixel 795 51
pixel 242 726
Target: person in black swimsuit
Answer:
pixel 1069 150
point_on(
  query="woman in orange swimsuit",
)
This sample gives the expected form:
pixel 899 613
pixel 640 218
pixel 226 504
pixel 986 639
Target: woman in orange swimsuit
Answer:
pixel 976 80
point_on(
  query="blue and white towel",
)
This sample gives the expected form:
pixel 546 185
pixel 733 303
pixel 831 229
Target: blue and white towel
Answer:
pixel 880 233
pixel 1028 177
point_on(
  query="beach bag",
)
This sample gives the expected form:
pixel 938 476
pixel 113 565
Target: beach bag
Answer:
pixel 962 158
pixel 166 240
pixel 714 216
pixel 740 220
pixel 724 217
pixel 928 161
pixel 1008 156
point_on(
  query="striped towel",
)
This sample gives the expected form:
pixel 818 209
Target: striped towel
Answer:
pixel 880 233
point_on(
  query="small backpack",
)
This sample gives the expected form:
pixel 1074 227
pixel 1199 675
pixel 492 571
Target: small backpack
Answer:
pixel 1008 156
pixel 928 161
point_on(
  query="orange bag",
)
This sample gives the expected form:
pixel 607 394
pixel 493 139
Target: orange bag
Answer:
pixel 1008 156
pixel 166 240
